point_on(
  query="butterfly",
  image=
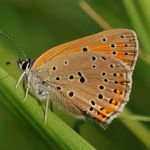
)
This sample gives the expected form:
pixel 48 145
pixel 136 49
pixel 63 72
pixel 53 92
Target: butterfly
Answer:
pixel 91 76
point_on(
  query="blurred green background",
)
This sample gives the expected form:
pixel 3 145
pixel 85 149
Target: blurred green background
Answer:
pixel 38 25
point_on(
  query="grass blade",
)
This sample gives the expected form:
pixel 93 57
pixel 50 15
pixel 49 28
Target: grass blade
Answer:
pixel 56 133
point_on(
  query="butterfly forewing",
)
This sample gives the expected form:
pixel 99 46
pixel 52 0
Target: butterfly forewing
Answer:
pixel 121 44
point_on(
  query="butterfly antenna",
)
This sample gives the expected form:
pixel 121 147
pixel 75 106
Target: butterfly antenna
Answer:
pixel 13 43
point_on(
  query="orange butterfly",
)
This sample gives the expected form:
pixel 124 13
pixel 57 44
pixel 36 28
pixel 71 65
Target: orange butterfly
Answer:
pixel 89 76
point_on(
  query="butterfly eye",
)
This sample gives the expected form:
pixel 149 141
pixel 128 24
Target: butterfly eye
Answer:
pixel 24 64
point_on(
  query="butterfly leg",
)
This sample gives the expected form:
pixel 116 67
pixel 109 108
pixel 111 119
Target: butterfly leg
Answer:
pixel 26 94
pixel 46 109
pixel 20 79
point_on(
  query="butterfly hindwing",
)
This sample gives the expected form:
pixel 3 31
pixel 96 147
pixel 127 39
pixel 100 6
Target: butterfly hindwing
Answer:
pixel 88 83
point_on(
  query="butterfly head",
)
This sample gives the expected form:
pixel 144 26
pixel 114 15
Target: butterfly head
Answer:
pixel 25 64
